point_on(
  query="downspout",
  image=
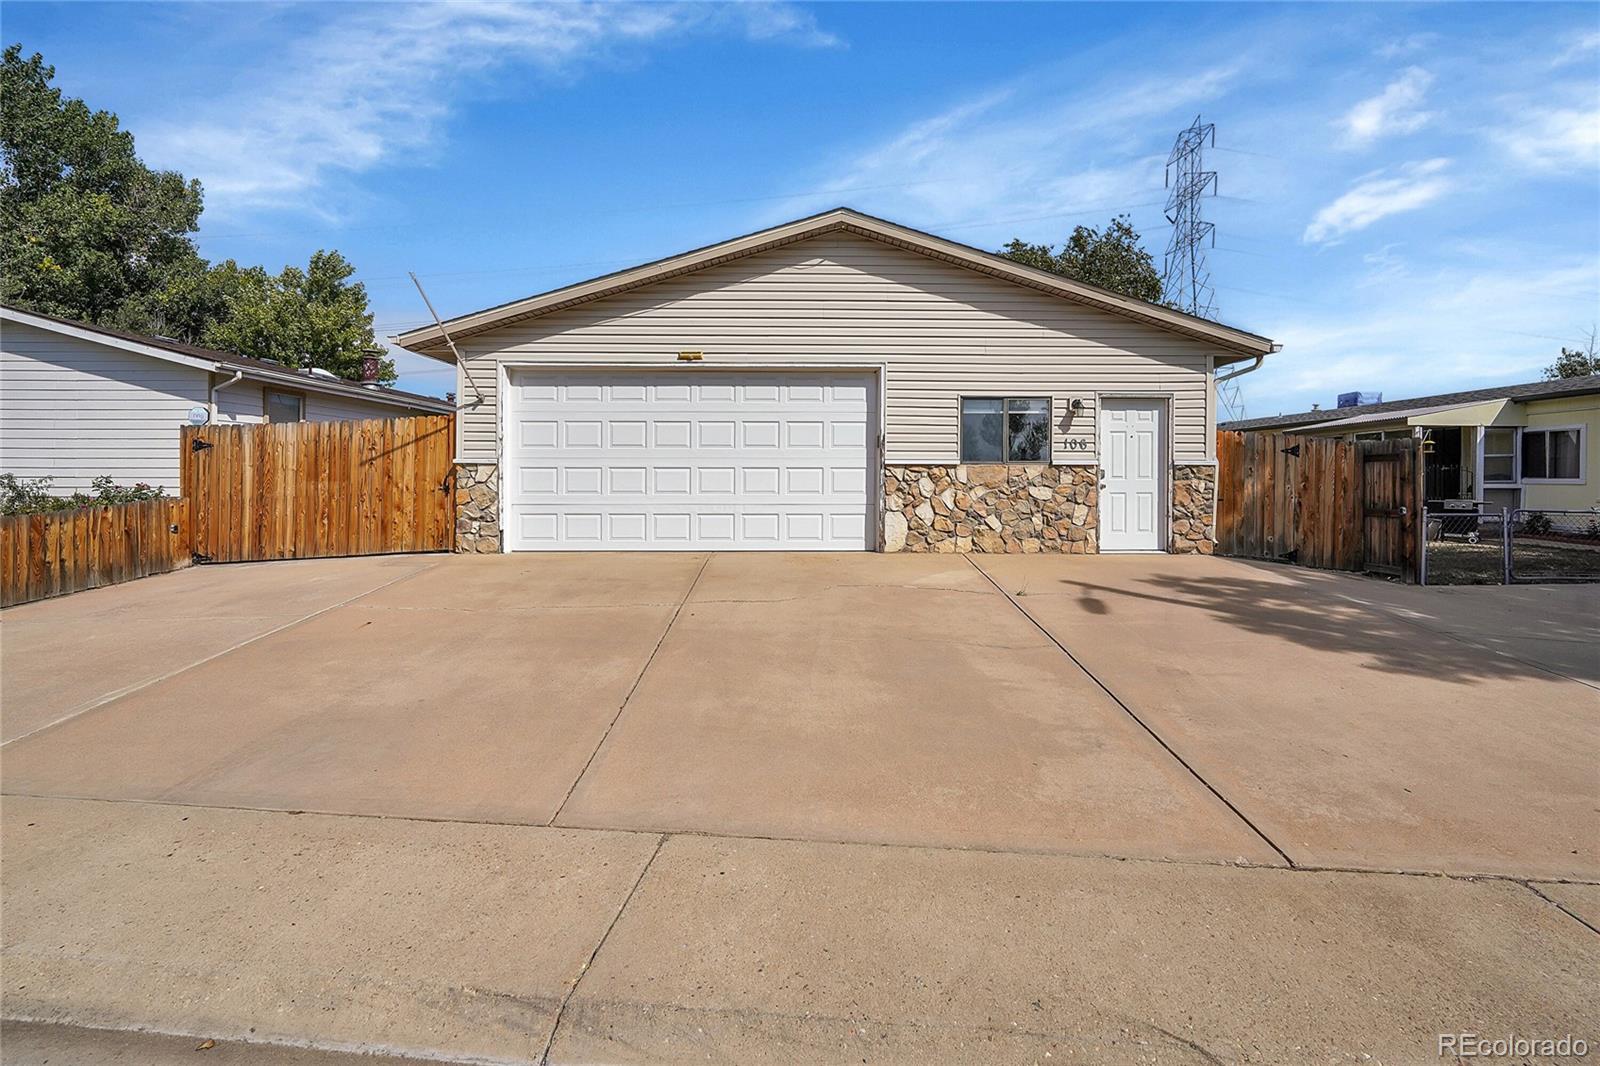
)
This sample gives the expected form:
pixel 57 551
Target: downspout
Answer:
pixel 1253 366
pixel 1216 492
pixel 237 374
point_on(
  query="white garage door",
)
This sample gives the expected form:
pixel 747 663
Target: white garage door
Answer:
pixel 638 460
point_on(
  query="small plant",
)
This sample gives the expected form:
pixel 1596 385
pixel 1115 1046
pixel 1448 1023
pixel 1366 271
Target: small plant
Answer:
pixel 1592 530
pixel 32 495
pixel 1537 524
pixel 25 495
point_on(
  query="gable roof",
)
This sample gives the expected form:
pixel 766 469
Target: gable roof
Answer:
pixel 1533 390
pixel 430 340
pixel 174 351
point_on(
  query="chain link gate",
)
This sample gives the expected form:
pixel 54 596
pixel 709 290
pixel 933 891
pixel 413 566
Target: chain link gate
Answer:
pixel 1465 546
pixel 1546 545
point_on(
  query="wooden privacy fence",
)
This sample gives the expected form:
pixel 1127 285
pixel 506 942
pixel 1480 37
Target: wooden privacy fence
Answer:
pixel 68 551
pixel 300 490
pixel 1320 502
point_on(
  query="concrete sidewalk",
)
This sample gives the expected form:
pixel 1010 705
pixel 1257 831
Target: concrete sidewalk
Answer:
pixel 489 943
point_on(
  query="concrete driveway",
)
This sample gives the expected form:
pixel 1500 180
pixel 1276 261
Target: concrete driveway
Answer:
pixel 635 807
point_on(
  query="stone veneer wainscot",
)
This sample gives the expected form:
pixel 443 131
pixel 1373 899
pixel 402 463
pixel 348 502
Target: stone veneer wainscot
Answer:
pixel 1194 510
pixel 477 507
pixel 991 508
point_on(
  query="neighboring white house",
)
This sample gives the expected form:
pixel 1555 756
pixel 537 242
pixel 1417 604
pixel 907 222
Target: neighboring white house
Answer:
pixel 836 382
pixel 80 401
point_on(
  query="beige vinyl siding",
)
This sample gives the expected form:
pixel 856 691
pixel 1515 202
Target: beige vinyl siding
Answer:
pixel 73 410
pixel 940 330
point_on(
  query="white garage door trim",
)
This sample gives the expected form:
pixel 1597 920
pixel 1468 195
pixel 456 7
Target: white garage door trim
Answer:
pixel 644 457
pixel 1139 531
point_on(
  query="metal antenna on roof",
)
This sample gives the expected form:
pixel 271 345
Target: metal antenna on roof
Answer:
pixel 446 334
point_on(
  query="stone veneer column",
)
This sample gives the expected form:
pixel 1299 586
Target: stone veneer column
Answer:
pixel 477 507
pixel 1194 510
pixel 991 508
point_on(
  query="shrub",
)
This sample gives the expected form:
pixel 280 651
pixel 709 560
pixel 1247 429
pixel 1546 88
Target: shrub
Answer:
pixel 1537 524
pixel 32 495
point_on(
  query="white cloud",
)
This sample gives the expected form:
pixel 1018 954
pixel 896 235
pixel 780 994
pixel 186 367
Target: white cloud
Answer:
pixel 1379 195
pixel 371 84
pixel 1023 152
pixel 1396 110
pixel 1407 45
pixel 1579 49
pixel 1555 139
pixel 1454 329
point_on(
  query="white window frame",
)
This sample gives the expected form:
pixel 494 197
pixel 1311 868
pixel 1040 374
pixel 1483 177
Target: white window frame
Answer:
pixel 1005 434
pixel 1583 455
pixel 1516 458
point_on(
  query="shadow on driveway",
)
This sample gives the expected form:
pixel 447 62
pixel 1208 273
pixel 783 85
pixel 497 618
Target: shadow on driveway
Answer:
pixel 1325 619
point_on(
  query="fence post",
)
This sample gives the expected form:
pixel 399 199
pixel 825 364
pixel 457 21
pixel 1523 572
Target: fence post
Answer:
pixel 1505 544
pixel 1421 561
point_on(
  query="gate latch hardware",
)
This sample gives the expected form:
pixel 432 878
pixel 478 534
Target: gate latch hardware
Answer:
pixel 198 445
pixel 1293 449
pixel 200 557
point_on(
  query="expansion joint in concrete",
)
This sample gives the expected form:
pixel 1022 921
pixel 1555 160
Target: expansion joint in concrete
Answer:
pixel 634 688
pixel 1558 905
pixel 572 988
pixel 1168 748
pixel 112 697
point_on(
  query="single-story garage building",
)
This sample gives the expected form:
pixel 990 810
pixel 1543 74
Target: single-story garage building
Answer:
pixel 838 382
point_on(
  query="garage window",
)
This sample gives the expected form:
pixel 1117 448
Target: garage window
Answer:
pixel 1005 429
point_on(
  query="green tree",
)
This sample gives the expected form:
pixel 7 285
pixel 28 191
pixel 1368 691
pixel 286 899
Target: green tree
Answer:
pixel 1576 362
pixel 1112 258
pixel 87 231
pixel 302 318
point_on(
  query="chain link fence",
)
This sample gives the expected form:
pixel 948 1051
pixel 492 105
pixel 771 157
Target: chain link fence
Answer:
pixel 1482 546
pixel 1464 546
pixel 1553 546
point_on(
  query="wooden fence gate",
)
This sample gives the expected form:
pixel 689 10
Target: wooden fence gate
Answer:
pixel 1320 502
pixel 299 490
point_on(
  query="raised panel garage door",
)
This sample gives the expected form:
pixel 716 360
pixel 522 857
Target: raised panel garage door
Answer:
pixel 653 460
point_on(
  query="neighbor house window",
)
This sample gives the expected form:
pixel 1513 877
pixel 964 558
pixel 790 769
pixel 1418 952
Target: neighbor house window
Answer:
pixel 1552 454
pixel 1014 429
pixel 1499 457
pixel 284 406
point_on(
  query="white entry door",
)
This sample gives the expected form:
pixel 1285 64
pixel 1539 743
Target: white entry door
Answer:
pixel 689 458
pixel 1132 474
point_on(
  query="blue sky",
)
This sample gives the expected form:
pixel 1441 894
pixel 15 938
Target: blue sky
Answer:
pixel 1410 196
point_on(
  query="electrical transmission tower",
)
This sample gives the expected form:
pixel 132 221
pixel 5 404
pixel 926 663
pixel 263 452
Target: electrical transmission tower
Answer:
pixel 1186 280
